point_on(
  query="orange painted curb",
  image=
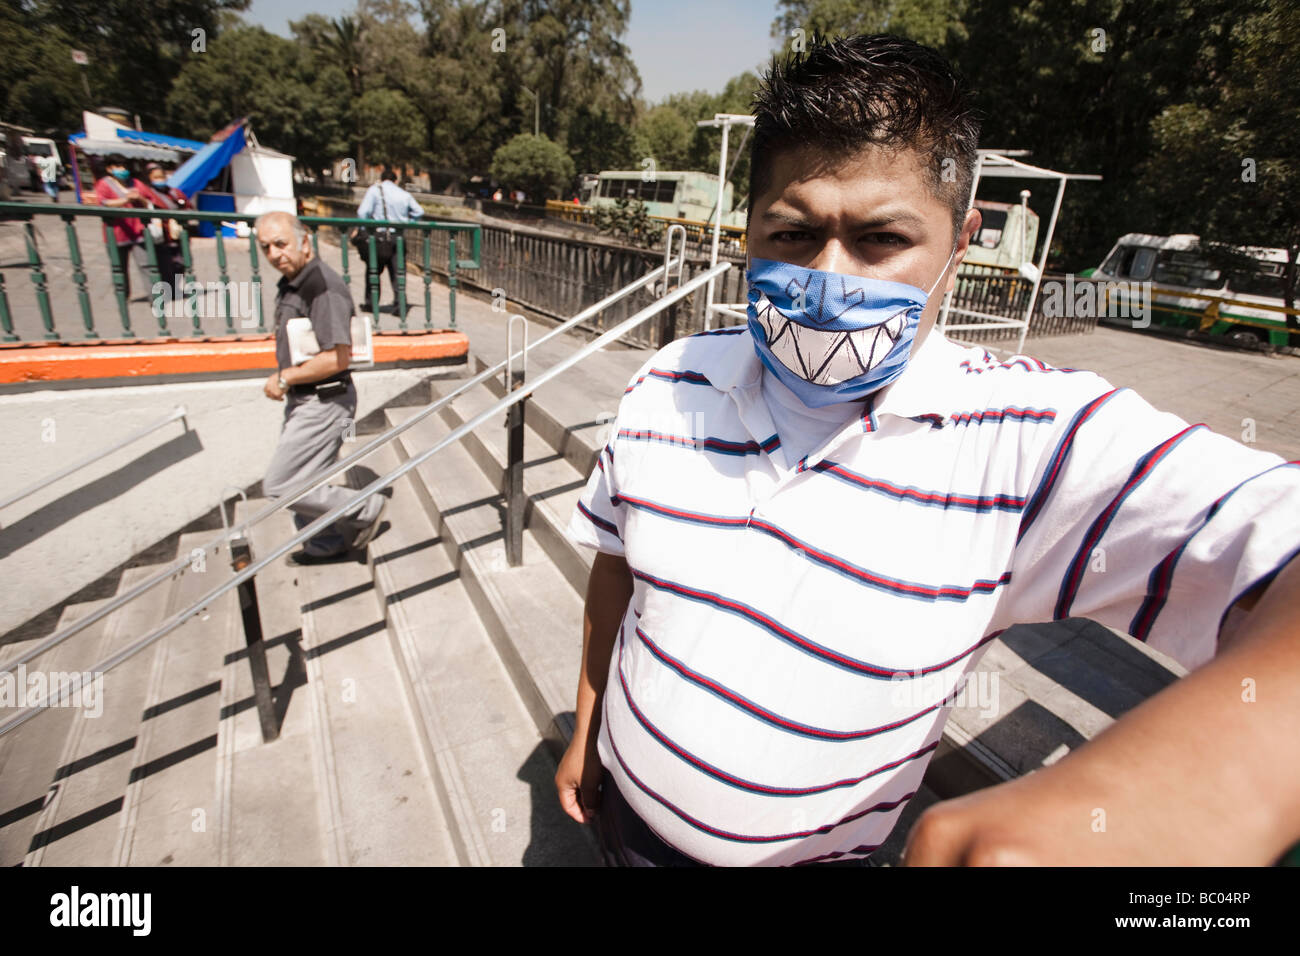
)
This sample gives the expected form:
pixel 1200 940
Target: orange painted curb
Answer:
pixel 63 361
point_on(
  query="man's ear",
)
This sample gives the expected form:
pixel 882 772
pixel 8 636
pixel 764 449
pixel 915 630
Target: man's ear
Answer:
pixel 970 227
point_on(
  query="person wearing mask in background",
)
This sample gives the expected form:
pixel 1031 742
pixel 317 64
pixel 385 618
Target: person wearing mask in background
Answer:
pixel 166 232
pixel 387 201
pixel 115 187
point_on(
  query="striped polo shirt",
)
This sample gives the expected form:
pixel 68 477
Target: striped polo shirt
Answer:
pixel 779 679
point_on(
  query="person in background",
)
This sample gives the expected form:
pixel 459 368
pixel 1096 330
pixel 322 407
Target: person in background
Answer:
pixel 49 167
pixel 387 201
pixel 166 232
pixel 115 187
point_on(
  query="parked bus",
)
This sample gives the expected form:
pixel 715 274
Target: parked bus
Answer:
pixel 1007 238
pixel 1188 291
pixel 671 194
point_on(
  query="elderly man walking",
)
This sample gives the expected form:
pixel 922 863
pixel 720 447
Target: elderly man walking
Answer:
pixel 321 401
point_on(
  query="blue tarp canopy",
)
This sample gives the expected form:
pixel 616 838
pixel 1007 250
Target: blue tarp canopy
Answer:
pixel 212 158
pixel 144 138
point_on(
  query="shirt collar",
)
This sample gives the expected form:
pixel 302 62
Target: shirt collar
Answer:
pixel 296 281
pixel 926 387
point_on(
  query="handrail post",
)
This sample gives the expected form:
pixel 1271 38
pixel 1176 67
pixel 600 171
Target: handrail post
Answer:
pixel 668 321
pixel 513 489
pixel 241 556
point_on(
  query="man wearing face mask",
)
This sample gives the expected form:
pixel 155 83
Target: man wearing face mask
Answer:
pixel 811 526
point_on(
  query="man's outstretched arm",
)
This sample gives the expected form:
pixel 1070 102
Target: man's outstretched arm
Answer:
pixel 608 591
pixel 1206 772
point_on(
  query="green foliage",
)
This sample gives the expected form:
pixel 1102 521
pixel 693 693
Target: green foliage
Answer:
pixel 294 100
pixel 389 125
pixel 628 222
pixel 535 164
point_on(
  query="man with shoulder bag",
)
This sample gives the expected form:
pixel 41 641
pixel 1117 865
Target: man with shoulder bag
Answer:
pixel 385 201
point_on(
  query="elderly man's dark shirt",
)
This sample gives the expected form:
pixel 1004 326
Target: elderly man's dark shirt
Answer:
pixel 319 293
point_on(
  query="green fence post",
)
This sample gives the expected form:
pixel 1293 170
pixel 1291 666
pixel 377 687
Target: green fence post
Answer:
pixel 6 319
pixel 79 276
pixel 224 275
pixel 119 281
pixel 428 280
pixel 343 247
pixel 374 279
pixel 451 279
pixel 38 280
pixel 257 282
pixel 191 286
pixel 400 272
pixel 155 274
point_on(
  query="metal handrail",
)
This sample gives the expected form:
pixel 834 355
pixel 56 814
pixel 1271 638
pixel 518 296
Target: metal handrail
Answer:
pixel 378 484
pixel 177 412
pixel 183 564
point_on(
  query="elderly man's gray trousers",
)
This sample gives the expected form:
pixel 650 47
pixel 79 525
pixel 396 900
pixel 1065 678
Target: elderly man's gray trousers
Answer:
pixel 313 432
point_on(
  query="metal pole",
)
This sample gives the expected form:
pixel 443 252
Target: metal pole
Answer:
pixel 717 222
pixel 513 489
pixel 241 556
pixel 1042 265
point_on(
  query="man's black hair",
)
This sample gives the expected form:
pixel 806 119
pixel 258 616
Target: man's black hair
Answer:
pixel 389 175
pixel 846 93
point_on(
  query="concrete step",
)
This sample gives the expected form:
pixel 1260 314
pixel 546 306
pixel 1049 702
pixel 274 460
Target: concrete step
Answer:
pixel 80 824
pixel 493 771
pixel 276 813
pixel 573 412
pixel 381 807
pixel 31 755
pixel 531 612
pixel 552 485
pixel 176 797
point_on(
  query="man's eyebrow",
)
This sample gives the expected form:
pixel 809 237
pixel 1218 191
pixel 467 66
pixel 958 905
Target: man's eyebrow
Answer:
pixel 885 219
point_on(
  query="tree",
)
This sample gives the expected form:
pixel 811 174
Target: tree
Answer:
pixel 295 102
pixel 535 164
pixel 391 127
pixel 1229 169
pixel 136 51
pixel 341 42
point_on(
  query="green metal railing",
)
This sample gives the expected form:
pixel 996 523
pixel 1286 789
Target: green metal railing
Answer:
pixel 191 288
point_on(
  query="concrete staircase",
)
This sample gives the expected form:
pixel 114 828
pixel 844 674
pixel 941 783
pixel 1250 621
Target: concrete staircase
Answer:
pixel 424 690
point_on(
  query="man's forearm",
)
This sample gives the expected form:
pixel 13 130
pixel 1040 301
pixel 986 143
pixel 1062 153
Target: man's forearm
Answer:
pixel 1202 773
pixel 608 591
pixel 320 366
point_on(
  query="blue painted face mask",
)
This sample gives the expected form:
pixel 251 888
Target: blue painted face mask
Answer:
pixel 122 174
pixel 830 337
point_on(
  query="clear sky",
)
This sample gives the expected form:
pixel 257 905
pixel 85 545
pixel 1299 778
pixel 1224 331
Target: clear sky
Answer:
pixel 677 45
